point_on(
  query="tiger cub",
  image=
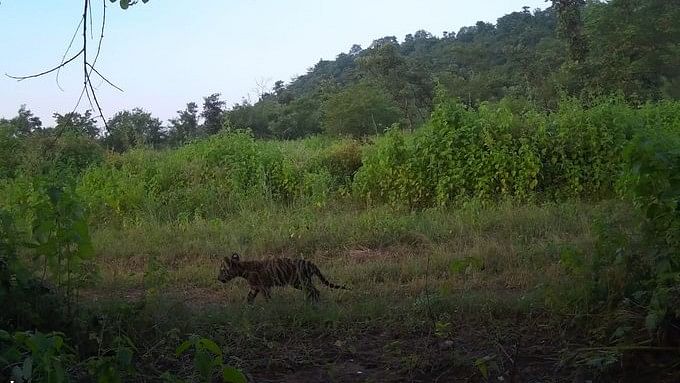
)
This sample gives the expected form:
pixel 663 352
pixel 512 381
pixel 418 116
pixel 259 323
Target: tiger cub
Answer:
pixel 262 275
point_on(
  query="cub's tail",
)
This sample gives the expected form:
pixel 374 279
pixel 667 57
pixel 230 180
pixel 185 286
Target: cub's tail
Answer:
pixel 323 279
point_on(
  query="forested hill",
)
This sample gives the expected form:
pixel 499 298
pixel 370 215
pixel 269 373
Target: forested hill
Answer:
pixel 623 46
pixel 393 81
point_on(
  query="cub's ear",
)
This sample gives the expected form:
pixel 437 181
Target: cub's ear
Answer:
pixel 235 257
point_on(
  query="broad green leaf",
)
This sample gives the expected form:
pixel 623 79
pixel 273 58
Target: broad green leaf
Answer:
pixel 210 346
pixel 232 375
pixel 183 347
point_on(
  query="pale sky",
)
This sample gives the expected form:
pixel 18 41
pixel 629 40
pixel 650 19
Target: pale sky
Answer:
pixel 168 52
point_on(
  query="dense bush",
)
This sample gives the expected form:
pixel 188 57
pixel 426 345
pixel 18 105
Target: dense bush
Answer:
pixel 216 176
pixel 504 151
pixel 652 181
pixel 360 110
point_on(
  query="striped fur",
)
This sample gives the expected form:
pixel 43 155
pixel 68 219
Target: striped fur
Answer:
pixel 263 275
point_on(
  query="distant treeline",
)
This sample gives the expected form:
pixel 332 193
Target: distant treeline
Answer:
pixel 575 49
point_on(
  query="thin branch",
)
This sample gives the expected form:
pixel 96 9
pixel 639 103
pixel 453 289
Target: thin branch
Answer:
pixel 21 78
pixel 89 98
pixel 101 37
pixel 103 78
pixel 86 79
pixel 88 82
pixel 87 3
pixel 70 44
pixel 94 95
pixel 82 92
pixel 91 28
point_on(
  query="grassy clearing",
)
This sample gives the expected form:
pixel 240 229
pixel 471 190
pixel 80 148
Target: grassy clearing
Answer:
pixel 508 243
pixel 492 274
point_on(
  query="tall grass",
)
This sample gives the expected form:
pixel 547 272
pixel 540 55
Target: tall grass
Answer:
pixel 217 177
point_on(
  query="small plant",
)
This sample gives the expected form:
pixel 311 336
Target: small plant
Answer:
pixel 61 237
pixel 466 265
pixel 487 365
pixel 208 360
pixel 34 356
pixel 443 329
pixel 114 362
pixel 155 277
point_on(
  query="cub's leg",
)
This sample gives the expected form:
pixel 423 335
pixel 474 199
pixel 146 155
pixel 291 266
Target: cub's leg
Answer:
pixel 312 292
pixel 252 294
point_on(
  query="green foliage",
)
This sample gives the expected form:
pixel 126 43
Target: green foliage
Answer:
pixel 10 145
pixel 298 118
pixel 570 26
pixel 208 360
pixel 46 152
pixel 634 48
pixel 506 150
pixel 487 366
pixel 359 110
pixel 15 280
pixel 24 124
pixel 213 114
pixel 34 356
pixel 28 301
pixel 113 362
pixel 635 267
pixel 132 129
pixel 257 118
pixel 582 49
pixel 61 237
pixel 214 177
pixel 76 124
pixel 185 127
pixel 342 160
pixel 653 182
pixel 61 243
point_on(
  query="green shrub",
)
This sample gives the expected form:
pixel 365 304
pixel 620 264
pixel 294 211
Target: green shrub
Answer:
pixel 501 151
pixel 342 160
pixel 216 177
pixel 653 182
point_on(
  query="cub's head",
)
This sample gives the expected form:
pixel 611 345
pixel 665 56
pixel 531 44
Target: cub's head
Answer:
pixel 230 269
